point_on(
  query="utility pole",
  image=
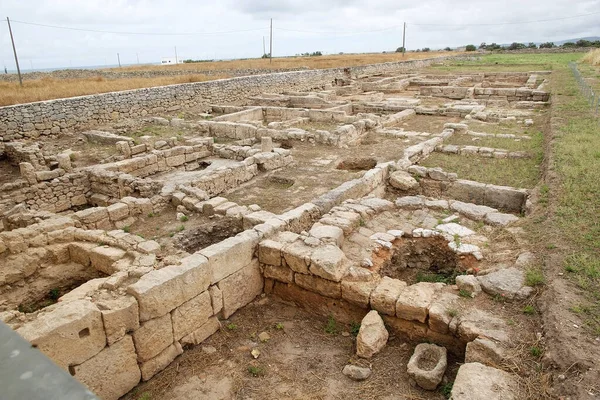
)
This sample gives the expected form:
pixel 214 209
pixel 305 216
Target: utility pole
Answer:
pixel 15 51
pixel 138 58
pixel 271 44
pixel 264 48
pixel 404 40
pixel 119 59
pixel 31 63
pixel 175 54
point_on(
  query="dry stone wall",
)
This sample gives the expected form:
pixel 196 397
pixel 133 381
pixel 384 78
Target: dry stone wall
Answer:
pixel 54 116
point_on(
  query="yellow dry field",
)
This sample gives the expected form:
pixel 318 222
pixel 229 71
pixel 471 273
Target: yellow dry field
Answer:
pixel 592 57
pixel 53 88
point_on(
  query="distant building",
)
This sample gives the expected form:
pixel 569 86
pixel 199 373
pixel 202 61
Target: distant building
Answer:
pixel 170 60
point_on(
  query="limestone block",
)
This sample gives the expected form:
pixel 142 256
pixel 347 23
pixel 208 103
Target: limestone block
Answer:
pixel 152 337
pixel 402 180
pixel 216 299
pixel 440 310
pixel 468 191
pixel 118 211
pixel 191 315
pixel 92 215
pixel 297 256
pixel 148 247
pixel 28 172
pixel 385 295
pixel 476 323
pixel 358 293
pixel 120 316
pixel 329 262
pixel 241 287
pixel 202 333
pixel 475 381
pixel 279 273
pixel 269 252
pixel 256 218
pixel 230 255
pixel 328 233
pixel 414 301
pixel 160 291
pixel 469 284
pixel 318 285
pixel 48 175
pixel 472 211
pixel 103 257
pixel 485 351
pixel 428 365
pixel 505 198
pixel 208 206
pixel 111 373
pixel 508 283
pixel 266 144
pixel 83 290
pixel 372 335
pixel 76 326
pixel 161 361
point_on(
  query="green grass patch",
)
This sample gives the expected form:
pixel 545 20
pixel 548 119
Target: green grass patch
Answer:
pixel 534 277
pixel 331 326
pixel 532 146
pixel 447 278
pixel 519 173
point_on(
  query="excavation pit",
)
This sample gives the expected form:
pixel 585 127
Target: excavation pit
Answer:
pixel 357 164
pixel 207 234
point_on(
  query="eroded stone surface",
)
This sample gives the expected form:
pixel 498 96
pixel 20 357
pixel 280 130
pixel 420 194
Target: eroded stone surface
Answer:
pixel 476 381
pixel 372 335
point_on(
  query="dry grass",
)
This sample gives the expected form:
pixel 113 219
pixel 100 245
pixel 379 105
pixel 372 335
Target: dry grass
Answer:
pixel 49 88
pixel 592 57
pixel 318 62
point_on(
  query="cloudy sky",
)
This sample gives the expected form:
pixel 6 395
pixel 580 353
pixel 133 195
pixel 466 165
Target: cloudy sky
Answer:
pixel 235 28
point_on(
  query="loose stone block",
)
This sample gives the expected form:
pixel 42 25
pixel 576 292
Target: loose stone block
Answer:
pixel 241 287
pixel 385 295
pixel 414 301
pixel 191 315
pixel 75 325
pixel 469 284
pixel 111 373
pixel 153 337
pixel 266 144
pixel 161 361
pixel 119 316
pixel 509 283
pixel 372 335
pixel 475 381
pixel 80 252
pixel 484 351
pixel 160 291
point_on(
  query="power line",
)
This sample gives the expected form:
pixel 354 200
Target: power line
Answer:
pixel 513 23
pixel 138 33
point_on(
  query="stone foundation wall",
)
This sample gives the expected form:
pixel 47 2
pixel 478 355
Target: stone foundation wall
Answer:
pixel 51 117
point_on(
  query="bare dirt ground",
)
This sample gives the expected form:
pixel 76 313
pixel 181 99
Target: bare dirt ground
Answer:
pixel 299 361
pixel 314 172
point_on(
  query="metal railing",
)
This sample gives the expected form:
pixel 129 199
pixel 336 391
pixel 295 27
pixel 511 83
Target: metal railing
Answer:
pixel 591 96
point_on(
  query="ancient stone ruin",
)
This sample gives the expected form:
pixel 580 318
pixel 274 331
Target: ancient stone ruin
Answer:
pixel 130 231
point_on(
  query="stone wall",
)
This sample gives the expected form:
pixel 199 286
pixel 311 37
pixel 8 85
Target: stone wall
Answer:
pixel 53 116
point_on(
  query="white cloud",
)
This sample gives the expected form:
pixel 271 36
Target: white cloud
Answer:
pixel 327 25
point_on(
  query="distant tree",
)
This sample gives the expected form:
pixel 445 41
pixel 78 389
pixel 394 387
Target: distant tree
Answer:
pixel 471 47
pixel 547 45
pixel 400 50
pixel 596 43
pixel 516 46
pixel 532 45
pixel 491 46
pixel 483 46
pixel 583 43
pixel 268 55
pixel 426 49
pixel 568 45
pixel 448 49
